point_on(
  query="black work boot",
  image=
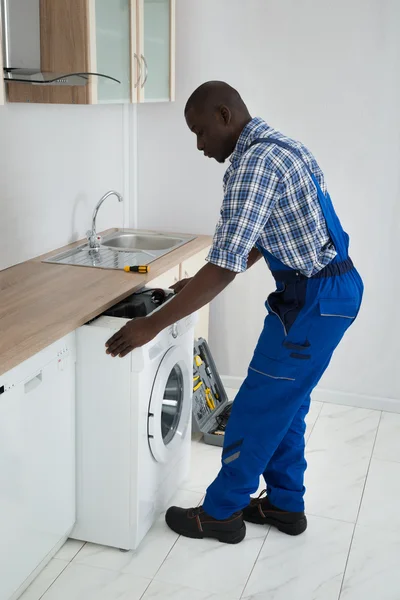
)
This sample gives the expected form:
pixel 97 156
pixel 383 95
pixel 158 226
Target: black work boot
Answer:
pixel 262 512
pixel 196 523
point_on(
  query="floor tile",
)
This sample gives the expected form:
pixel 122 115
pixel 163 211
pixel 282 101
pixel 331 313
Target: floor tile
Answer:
pixel 159 590
pixel 45 579
pixel 344 426
pixel 186 499
pixel 205 465
pixel 373 568
pixel 380 503
pixel 338 455
pixel 69 550
pixel 307 567
pixel 80 582
pixel 143 562
pixel 387 446
pixel 211 566
pixel 311 419
pixel 335 482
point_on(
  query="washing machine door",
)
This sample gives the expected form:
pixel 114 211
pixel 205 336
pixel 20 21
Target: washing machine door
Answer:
pixel 170 405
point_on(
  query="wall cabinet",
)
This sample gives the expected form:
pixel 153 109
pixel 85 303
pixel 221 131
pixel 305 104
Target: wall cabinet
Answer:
pixel 156 50
pixel 2 95
pixel 37 462
pixel 132 41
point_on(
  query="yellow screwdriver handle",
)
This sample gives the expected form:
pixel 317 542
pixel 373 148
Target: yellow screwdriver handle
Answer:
pixel 209 398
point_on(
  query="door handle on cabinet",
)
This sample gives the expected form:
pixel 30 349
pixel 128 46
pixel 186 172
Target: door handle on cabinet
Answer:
pixel 139 70
pixel 33 383
pixel 146 70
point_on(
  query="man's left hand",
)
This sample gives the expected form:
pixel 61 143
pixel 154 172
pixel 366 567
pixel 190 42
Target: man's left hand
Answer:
pixel 133 335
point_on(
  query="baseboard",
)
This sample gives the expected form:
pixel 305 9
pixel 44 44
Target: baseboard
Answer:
pixel 335 397
pixel 357 400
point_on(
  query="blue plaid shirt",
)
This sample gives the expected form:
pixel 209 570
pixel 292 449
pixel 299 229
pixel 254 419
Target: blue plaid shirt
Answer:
pixel 270 200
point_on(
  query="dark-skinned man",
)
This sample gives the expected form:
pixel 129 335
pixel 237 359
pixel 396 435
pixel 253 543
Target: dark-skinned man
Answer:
pixel 275 206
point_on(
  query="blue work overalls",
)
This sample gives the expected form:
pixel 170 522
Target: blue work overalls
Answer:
pixel 307 318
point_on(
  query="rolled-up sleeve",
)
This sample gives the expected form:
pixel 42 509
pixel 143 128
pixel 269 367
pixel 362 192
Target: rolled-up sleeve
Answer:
pixel 250 194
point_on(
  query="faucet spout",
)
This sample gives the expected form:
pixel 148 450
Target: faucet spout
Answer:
pixel 93 238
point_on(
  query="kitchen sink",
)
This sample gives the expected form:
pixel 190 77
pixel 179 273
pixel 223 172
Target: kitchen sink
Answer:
pixel 127 247
pixel 125 240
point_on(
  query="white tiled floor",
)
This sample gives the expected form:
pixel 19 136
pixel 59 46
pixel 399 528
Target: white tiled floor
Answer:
pixel 351 550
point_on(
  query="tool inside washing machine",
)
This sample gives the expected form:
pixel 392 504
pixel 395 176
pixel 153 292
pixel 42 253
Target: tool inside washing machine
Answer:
pixel 140 304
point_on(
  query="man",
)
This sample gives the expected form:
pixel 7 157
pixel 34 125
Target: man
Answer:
pixel 275 206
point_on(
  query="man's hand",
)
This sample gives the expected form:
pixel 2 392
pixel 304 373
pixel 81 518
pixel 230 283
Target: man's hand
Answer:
pixel 194 294
pixel 134 334
pixel 177 287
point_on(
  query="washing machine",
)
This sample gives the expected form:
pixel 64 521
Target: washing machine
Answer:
pixel 133 430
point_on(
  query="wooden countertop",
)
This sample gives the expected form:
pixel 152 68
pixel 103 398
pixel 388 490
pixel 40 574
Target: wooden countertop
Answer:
pixel 43 302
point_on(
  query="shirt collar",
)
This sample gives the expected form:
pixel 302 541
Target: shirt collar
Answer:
pixel 251 131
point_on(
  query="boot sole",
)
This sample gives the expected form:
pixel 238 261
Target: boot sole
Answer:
pixel 296 528
pixel 229 537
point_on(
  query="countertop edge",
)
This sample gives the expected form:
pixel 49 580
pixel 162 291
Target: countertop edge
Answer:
pixel 45 280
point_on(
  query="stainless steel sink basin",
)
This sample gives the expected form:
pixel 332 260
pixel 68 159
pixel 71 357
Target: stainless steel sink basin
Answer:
pixel 125 240
pixel 127 247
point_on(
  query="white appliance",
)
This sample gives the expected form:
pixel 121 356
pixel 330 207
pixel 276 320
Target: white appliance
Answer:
pixel 133 430
pixel 37 463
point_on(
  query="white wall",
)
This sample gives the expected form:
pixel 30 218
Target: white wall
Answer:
pixel 55 164
pixel 323 72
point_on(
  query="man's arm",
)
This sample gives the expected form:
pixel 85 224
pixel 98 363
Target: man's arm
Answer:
pixel 250 195
pixel 200 290
pixel 204 287
pixel 253 257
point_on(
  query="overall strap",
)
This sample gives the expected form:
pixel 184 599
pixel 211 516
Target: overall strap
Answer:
pixel 338 236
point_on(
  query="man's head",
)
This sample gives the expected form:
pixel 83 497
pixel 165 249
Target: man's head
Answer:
pixel 216 114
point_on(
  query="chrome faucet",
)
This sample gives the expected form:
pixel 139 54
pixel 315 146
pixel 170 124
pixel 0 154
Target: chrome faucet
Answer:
pixel 93 238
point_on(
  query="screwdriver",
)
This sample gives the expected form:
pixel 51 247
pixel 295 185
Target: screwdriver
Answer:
pixel 198 386
pixel 143 269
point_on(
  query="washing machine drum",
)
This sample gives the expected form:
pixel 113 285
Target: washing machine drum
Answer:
pixel 170 405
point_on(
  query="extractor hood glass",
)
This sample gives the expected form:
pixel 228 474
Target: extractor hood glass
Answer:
pixel 35 76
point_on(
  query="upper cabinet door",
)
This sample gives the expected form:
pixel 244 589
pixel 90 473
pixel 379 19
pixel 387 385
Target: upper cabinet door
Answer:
pixel 156 44
pixel 114 39
pixel 1 63
pixel 128 44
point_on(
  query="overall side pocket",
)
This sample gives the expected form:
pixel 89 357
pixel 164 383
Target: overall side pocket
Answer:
pixel 335 315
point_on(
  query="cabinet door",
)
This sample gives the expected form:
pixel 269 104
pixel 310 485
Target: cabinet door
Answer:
pixel 165 281
pixel 1 63
pixel 156 37
pixel 114 33
pixel 189 268
pixel 37 465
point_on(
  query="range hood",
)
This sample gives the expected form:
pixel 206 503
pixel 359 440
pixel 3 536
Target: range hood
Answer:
pixel 37 77
pixel 36 53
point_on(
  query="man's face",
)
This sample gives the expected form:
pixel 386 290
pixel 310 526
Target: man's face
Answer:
pixel 213 132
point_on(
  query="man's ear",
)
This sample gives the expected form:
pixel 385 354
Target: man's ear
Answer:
pixel 226 114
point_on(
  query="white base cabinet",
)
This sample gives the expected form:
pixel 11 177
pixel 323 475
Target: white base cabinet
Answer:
pixel 166 280
pixel 37 462
pixel 189 268
pixel 185 270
